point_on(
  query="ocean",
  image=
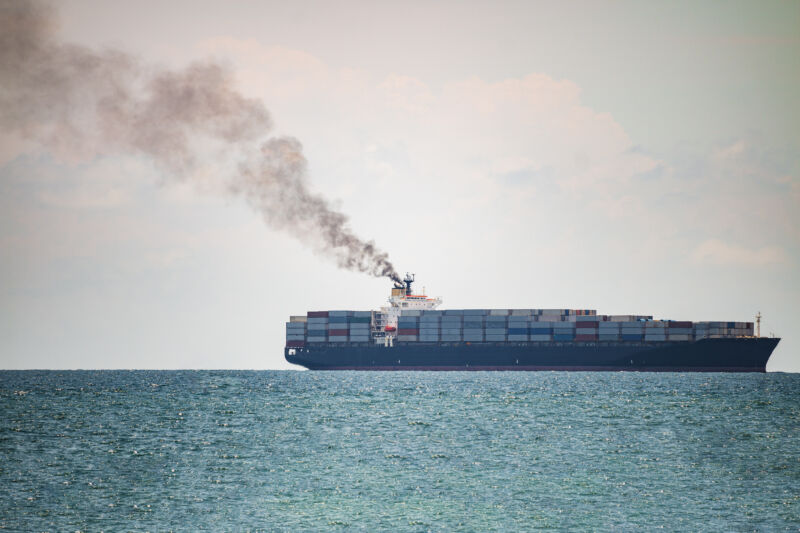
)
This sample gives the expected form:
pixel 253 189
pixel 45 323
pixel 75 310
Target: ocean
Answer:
pixel 398 451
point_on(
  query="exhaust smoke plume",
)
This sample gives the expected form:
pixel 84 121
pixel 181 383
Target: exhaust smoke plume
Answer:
pixel 80 103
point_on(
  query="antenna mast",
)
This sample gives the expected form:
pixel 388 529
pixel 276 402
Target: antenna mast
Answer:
pixel 758 324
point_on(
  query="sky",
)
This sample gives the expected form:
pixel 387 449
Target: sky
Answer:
pixel 629 157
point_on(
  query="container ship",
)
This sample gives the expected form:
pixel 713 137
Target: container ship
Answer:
pixel 410 333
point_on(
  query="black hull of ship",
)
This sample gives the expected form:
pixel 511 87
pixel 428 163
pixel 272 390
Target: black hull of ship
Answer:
pixel 707 355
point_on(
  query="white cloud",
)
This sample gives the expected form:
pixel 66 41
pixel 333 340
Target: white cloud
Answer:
pixel 716 251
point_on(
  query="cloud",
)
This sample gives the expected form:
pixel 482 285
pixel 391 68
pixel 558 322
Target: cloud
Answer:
pixel 718 252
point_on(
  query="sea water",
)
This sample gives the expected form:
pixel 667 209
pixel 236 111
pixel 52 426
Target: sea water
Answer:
pixel 407 451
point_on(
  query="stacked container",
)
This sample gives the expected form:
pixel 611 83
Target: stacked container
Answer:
pixel 632 331
pixel 473 325
pixel 655 331
pixel 608 331
pixel 503 325
pixel 430 326
pixel 408 326
pixel 452 325
pixel 360 325
pixel 295 332
pixel 317 326
pixel 586 327
pixel 519 325
pixel 496 325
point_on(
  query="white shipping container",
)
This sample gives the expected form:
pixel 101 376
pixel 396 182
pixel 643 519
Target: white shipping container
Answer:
pixel 498 312
pixel 297 318
pixel 407 338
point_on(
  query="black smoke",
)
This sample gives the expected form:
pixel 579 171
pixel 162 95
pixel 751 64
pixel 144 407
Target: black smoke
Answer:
pixel 80 103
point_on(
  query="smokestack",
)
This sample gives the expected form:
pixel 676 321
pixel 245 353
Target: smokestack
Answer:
pixel 80 103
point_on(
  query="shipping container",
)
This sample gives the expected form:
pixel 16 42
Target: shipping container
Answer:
pixel 295 344
pixel 338 320
pixel 563 337
pixel 496 331
pixel 407 331
pixel 551 318
pixel 472 331
pixel 317 339
pixel 411 312
pixel 540 331
pixel 432 312
pixel 541 337
pixel 677 337
pixel 632 336
pixel 407 338
pixel 337 338
pixel 518 331
pixel 317 320
pixel 585 337
pixel 451 331
pixel 499 312
pixel 495 338
pixel 317 314
pixel 517 338
pixel 608 336
pixel 337 332
pixel 296 318
pixel 450 338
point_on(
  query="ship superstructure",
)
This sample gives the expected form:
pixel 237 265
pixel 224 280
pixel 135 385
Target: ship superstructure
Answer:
pixel 412 333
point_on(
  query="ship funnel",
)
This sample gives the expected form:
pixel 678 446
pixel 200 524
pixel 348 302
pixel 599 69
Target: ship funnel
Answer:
pixel 409 279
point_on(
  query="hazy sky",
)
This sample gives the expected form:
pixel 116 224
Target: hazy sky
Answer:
pixel 629 157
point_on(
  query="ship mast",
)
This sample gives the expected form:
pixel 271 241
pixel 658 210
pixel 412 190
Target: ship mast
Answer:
pixel 758 324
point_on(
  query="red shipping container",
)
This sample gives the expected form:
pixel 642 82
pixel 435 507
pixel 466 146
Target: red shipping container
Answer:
pixel 295 344
pixel 680 324
pixel 337 332
pixel 408 331
pixel 585 325
pixel 317 314
pixel 585 337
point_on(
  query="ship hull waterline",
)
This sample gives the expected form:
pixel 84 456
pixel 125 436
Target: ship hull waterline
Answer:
pixel 706 355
